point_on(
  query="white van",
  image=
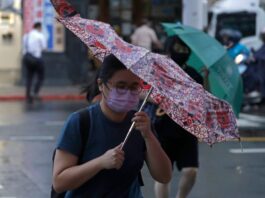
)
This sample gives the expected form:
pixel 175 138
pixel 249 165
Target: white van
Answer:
pixel 245 15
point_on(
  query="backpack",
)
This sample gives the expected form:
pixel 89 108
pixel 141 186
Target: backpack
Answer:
pixel 84 122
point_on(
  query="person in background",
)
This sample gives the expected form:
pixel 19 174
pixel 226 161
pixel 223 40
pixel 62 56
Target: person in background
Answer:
pixel 231 40
pixel 180 146
pixel 33 45
pixel 259 61
pixel 107 169
pixel 144 36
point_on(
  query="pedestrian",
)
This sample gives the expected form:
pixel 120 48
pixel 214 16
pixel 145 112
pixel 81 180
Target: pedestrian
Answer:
pixel 33 45
pixel 231 40
pixel 259 59
pixel 107 169
pixel 180 145
pixel 144 36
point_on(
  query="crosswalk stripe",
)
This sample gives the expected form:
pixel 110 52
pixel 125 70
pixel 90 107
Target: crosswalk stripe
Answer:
pixel 247 150
pixel 54 123
pixel 32 138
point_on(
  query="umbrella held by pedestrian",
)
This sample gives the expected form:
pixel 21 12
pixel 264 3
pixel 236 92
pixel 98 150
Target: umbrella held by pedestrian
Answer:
pixel 208 118
pixel 209 57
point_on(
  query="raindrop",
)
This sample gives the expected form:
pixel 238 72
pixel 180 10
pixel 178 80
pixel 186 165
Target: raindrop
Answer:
pixel 239 170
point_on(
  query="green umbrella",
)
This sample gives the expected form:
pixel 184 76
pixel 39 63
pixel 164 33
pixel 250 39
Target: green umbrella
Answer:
pixel 224 80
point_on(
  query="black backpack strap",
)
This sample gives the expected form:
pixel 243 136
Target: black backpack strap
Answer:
pixel 84 123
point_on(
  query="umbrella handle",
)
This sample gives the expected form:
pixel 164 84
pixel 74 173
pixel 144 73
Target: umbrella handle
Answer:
pixel 133 124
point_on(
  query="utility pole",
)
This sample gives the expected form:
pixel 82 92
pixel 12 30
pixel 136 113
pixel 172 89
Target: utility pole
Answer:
pixel 195 13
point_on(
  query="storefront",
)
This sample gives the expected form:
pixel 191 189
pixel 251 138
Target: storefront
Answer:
pixel 123 15
pixel 67 58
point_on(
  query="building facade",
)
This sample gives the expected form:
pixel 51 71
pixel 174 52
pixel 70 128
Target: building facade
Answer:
pixel 124 15
pixel 66 59
pixel 71 63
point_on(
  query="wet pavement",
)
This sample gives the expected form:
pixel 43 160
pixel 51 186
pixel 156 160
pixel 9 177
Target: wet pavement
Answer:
pixel 28 134
pixel 27 138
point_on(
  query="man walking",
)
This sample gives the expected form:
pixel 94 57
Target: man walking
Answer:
pixel 259 58
pixel 33 45
pixel 144 36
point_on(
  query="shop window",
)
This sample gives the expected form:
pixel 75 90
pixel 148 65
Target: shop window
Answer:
pixel 121 16
pixel 166 10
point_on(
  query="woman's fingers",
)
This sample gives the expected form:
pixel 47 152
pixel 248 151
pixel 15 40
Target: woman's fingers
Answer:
pixel 142 123
pixel 140 117
pixel 118 157
pixel 114 158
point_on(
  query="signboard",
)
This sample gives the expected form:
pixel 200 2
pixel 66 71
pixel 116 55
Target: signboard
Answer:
pixel 48 22
pixel 43 11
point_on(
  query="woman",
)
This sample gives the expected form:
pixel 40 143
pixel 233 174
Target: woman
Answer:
pixel 106 169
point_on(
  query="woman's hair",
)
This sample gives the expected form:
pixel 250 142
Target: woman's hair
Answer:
pixel 108 68
pixel 37 25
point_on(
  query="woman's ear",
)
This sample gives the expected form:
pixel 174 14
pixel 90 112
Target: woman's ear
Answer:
pixel 100 84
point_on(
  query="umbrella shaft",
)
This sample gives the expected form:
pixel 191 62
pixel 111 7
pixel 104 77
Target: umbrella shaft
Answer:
pixel 133 124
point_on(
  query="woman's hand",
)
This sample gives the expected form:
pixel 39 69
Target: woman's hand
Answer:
pixel 113 158
pixel 157 161
pixel 142 123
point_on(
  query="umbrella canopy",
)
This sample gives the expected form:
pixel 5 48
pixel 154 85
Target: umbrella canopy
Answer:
pixel 224 80
pixel 186 102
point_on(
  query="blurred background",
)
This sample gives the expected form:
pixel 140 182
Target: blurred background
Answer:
pixel 67 59
pixel 28 132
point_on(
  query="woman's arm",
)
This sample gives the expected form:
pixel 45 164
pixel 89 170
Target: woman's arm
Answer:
pixel 67 175
pixel 157 161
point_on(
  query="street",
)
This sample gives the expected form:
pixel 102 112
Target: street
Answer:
pixel 60 46
pixel 28 135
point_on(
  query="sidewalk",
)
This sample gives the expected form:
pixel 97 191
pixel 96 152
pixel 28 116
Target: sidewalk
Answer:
pixel 251 123
pixel 17 93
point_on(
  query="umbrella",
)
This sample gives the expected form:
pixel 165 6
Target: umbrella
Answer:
pixel 224 80
pixel 186 102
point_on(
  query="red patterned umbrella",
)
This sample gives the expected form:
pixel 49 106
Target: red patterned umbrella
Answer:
pixel 186 102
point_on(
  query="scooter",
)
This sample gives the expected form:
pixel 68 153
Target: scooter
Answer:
pixel 241 60
pixel 246 70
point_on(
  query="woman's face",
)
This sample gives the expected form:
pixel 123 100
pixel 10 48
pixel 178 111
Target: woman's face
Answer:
pixel 121 91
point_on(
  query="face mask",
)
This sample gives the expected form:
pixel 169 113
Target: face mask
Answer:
pixel 180 58
pixel 122 103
